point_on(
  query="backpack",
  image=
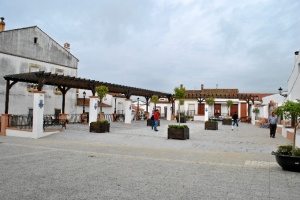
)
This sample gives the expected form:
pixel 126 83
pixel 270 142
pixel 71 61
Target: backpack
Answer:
pixel 152 117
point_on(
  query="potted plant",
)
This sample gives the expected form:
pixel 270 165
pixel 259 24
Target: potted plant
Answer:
pixel 183 119
pixel 288 156
pixel 228 104
pixel 210 101
pixel 256 111
pixel 227 120
pixel 101 92
pixel 211 125
pixel 100 126
pixel 179 131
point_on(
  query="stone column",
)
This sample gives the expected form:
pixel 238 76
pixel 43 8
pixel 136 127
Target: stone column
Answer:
pixel 128 111
pixel 169 111
pixel 151 108
pixel 4 123
pixel 206 112
pixel 38 114
pixel 93 108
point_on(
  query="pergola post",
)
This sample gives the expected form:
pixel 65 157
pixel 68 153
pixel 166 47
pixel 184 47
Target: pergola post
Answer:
pixel 128 111
pixel 38 113
pixel 93 109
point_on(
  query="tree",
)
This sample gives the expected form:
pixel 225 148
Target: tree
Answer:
pixel 228 104
pixel 290 109
pixel 154 99
pixel 210 101
pixel 256 111
pixel 179 95
pixel 101 92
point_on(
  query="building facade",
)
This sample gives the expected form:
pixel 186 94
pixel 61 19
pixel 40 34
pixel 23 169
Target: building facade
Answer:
pixel 30 50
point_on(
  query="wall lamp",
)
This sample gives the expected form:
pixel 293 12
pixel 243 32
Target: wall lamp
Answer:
pixel 280 92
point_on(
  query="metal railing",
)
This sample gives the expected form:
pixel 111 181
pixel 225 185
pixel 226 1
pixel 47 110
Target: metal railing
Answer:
pixel 21 121
pixel 190 113
pixel 75 118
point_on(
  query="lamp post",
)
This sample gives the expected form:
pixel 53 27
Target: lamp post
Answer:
pixel 138 108
pixel 280 92
pixel 83 108
pixel 115 104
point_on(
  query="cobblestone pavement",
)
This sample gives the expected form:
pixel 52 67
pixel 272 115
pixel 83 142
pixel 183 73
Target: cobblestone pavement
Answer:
pixel 135 162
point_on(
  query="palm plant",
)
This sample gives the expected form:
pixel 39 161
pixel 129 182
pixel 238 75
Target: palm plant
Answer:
pixel 228 104
pixel 101 92
pixel 180 95
pixel 210 101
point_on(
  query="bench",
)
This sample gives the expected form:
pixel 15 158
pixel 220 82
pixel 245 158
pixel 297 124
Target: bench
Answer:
pixel 49 121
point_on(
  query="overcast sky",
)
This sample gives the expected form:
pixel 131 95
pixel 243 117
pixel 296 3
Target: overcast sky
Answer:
pixel 154 44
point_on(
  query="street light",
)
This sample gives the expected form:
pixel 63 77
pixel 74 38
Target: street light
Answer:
pixel 138 108
pixel 280 92
pixel 115 104
pixel 83 109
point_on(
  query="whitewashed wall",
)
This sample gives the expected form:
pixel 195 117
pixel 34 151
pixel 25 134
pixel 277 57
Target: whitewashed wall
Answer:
pixel 20 100
pixel 294 81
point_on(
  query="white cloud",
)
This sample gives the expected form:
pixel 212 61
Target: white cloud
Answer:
pixel 158 45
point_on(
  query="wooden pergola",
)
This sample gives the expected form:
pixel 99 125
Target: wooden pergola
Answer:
pixel 64 83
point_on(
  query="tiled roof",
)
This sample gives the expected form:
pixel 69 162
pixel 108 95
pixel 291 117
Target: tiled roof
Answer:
pixel 222 93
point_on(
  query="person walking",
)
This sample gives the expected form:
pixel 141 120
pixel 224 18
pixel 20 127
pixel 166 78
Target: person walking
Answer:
pixel 235 120
pixel 273 124
pixel 152 120
pixel 156 118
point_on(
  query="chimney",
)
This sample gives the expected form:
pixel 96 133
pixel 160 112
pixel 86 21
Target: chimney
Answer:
pixel 181 86
pixel 67 46
pixel 2 25
pixel 202 86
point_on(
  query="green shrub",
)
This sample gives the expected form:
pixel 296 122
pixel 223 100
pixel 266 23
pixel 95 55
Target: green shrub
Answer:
pixel 178 126
pixel 98 122
pixel 211 120
pixel 285 150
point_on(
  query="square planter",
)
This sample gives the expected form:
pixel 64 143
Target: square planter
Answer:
pixel 99 128
pixel 179 133
pixel 211 126
pixel 182 119
pixel 227 122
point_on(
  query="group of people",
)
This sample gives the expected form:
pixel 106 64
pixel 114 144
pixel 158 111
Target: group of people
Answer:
pixel 155 117
pixel 272 121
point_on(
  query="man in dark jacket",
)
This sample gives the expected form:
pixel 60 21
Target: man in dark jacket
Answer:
pixel 235 120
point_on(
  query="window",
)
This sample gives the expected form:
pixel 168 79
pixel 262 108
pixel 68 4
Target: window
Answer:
pixel 34 67
pixel 59 71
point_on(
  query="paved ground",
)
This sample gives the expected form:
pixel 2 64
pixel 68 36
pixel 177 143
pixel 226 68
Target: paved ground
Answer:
pixel 134 162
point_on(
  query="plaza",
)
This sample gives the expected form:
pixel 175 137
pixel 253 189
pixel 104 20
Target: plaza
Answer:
pixel 134 162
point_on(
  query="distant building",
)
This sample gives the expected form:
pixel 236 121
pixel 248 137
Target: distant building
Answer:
pixel 200 111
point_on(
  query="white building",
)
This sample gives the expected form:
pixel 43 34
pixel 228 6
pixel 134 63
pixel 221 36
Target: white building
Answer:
pixel 29 50
pixel 292 94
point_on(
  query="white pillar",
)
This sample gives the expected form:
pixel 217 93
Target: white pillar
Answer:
pixel 206 112
pixel 169 112
pixel 239 109
pixel 151 107
pixel 38 114
pixel 93 109
pixel 128 111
